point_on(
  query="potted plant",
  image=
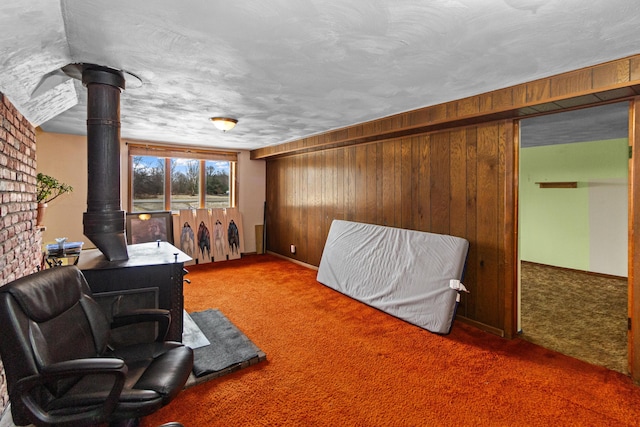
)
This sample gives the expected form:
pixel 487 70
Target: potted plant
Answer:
pixel 48 188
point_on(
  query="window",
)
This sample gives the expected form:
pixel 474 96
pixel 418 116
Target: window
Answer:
pixel 170 178
pixel 147 183
pixel 217 174
pixel 185 184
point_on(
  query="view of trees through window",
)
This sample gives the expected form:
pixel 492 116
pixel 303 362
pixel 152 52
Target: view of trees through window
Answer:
pixel 148 184
pixel 185 184
pixel 217 194
pixel 150 173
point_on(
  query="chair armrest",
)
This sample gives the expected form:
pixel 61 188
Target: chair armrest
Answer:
pixel 72 369
pixel 160 316
pixel 91 365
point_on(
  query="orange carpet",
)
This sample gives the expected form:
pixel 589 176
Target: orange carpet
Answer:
pixel 332 361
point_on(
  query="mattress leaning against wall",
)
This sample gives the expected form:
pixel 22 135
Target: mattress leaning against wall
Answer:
pixel 412 275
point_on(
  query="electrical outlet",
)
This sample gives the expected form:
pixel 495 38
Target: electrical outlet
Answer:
pixel 293 249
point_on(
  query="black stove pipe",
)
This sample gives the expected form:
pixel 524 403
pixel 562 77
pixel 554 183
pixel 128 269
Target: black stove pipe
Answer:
pixel 104 221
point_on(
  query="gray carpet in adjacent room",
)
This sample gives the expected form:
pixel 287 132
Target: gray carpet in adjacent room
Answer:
pixel 228 351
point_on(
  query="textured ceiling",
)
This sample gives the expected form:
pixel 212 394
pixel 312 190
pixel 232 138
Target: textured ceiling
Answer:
pixel 287 69
pixel 590 124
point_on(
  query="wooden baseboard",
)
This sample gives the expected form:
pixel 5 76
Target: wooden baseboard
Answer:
pixel 295 261
pixel 481 326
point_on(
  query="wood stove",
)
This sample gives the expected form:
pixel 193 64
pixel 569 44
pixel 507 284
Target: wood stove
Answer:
pixel 150 265
pixel 117 271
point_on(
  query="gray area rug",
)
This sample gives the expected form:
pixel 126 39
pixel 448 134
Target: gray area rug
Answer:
pixel 228 350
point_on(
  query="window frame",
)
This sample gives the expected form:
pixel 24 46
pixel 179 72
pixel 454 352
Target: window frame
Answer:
pixel 169 152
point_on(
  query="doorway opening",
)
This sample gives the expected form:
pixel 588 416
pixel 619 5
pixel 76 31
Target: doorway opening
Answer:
pixel 573 233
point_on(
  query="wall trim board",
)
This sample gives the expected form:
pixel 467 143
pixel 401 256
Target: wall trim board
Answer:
pixel 634 241
pixel 481 326
pixel 295 261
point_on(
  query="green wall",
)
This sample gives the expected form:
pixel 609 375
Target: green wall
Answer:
pixel 555 226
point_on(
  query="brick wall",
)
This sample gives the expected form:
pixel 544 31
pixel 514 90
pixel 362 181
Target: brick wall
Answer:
pixel 20 241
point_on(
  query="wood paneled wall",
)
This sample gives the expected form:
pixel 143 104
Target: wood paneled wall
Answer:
pixel 448 182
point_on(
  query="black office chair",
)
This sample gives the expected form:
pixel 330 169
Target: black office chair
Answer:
pixel 61 369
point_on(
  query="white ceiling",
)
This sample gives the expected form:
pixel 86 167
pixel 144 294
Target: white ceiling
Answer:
pixel 287 69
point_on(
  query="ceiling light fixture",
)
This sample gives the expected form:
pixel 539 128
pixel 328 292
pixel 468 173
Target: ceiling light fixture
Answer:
pixel 224 123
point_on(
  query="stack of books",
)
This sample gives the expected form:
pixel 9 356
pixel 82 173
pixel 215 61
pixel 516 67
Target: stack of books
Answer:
pixel 68 248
